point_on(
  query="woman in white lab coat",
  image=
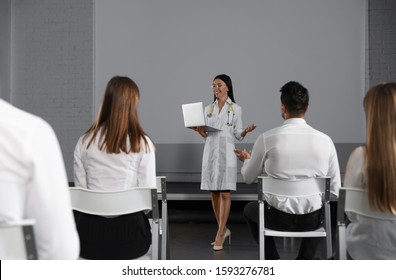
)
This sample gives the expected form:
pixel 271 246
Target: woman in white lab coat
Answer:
pixel 219 163
pixel 115 154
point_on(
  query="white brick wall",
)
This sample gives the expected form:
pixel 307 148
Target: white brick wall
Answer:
pixel 52 65
pixel 382 41
pixel 5 49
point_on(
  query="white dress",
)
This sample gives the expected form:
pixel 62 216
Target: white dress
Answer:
pixel 219 162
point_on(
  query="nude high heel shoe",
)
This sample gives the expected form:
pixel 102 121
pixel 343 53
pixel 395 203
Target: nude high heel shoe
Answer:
pixel 226 234
pixel 220 247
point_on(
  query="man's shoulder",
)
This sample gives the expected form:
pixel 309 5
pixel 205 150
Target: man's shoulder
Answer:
pixel 303 129
pixel 321 134
pixel 20 120
pixel 308 129
pixel 270 132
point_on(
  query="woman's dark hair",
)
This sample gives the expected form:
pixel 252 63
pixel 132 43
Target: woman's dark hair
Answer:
pixel 227 80
pixel 294 97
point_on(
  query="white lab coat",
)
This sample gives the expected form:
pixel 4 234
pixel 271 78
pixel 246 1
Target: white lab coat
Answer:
pixel 219 162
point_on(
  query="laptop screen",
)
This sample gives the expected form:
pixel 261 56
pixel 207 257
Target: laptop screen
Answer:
pixel 193 114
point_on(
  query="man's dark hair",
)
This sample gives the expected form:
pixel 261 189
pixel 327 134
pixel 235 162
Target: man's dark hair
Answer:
pixel 294 97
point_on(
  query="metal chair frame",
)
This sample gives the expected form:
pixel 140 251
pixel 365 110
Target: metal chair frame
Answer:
pixel 17 240
pixel 299 187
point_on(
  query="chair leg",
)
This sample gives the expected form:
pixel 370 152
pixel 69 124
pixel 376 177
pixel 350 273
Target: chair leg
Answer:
pixel 342 252
pixel 261 232
pixel 155 240
pixel 164 237
pixel 329 245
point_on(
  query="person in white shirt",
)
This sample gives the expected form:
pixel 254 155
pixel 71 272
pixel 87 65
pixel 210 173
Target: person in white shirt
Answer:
pixel 115 154
pixel 33 183
pixel 292 150
pixel 372 167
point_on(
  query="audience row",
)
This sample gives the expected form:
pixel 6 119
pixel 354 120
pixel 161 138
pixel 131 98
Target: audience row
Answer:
pixel 116 154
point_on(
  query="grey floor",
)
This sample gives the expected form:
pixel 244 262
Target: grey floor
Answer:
pixel 192 228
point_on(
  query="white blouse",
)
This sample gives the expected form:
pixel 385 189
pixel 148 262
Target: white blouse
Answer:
pixel 367 238
pixel 98 170
pixel 33 183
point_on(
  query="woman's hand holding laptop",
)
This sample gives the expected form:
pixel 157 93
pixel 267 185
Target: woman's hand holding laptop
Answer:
pixel 201 131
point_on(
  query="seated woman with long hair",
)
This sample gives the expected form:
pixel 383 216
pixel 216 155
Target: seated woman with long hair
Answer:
pixel 115 154
pixel 373 167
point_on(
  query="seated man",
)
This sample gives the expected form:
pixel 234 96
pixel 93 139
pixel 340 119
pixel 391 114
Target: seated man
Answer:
pixel 294 149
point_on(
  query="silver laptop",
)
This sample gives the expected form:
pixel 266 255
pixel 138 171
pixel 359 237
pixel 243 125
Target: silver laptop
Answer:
pixel 193 114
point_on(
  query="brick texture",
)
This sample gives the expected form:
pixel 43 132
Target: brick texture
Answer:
pixel 382 41
pixel 52 65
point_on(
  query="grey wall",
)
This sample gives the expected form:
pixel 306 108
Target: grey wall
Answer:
pixel 5 49
pixel 52 65
pixel 48 49
pixel 176 47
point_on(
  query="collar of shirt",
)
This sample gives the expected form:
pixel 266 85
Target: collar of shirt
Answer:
pixel 228 101
pixel 295 121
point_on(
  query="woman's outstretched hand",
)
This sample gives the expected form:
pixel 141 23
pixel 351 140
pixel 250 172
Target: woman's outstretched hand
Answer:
pixel 248 129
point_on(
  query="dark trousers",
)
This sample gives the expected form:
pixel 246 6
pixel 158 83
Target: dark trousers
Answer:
pixel 278 220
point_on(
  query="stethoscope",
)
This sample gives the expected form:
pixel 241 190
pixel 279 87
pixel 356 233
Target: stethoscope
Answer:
pixel 230 108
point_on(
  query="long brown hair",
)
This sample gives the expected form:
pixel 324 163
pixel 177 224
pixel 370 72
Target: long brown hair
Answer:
pixel 117 121
pixel 380 151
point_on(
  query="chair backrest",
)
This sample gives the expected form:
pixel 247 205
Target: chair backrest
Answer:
pixel 108 203
pixel 356 200
pixel 161 186
pixel 17 241
pixel 295 188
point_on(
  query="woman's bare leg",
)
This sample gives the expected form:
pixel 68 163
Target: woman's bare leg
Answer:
pixel 224 212
pixel 216 205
